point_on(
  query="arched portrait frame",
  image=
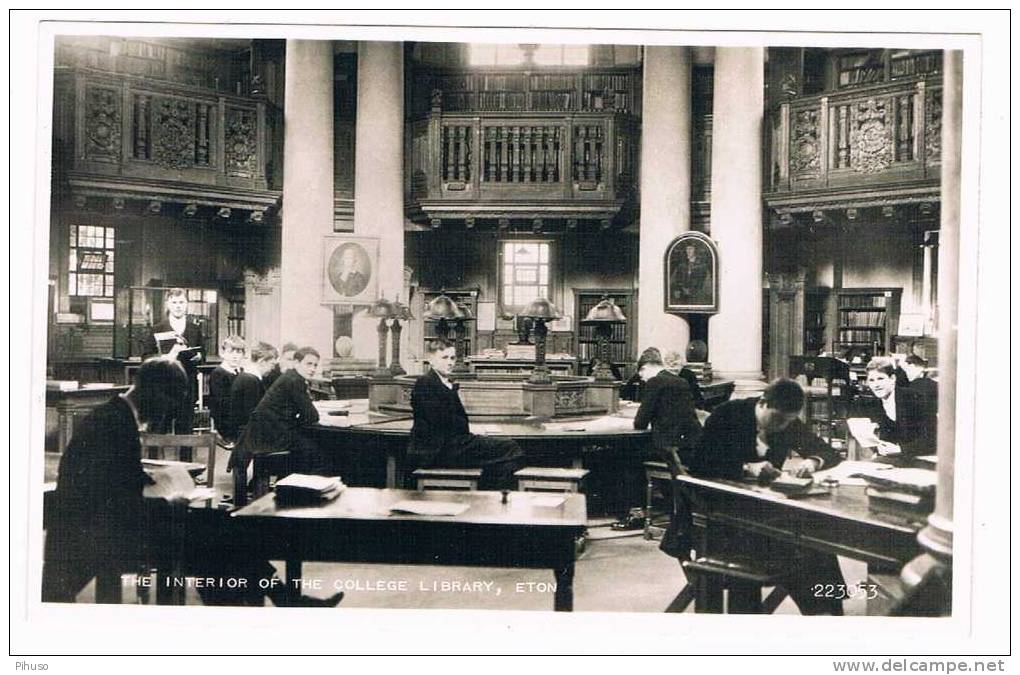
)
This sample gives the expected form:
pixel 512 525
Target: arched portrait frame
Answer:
pixel 691 275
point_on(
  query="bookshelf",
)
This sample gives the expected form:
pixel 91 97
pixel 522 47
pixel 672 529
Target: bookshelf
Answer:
pixel 621 348
pixel 815 320
pixel 466 297
pixel 867 318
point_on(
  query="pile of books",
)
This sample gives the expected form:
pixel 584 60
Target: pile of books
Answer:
pixel 904 492
pixel 299 488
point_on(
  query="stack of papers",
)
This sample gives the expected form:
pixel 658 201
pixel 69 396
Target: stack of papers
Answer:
pixel 299 488
pixel 173 481
pixel 429 508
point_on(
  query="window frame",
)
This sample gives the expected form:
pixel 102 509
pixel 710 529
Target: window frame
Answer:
pixel 108 250
pixel 527 53
pixel 505 308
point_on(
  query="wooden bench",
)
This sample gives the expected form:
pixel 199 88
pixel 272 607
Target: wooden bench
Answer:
pixel 447 479
pixel 549 479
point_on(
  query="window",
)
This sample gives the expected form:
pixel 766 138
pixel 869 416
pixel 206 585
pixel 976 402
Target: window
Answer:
pixel 527 54
pixel 90 261
pixel 525 273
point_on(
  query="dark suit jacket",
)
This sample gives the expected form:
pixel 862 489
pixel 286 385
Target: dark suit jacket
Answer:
pixel 729 441
pixel 192 337
pixel 279 418
pixel 440 422
pixel 927 390
pixel 100 514
pixel 245 394
pixel 220 381
pixel 914 429
pixel 667 405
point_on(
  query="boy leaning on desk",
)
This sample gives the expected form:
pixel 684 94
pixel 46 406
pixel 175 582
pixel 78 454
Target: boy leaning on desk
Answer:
pixel 753 438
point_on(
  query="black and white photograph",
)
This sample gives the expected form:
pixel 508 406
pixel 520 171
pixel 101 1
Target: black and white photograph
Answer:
pixel 339 322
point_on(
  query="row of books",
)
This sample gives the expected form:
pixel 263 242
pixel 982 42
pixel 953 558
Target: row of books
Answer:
pixel 863 319
pixel 862 301
pixel 859 336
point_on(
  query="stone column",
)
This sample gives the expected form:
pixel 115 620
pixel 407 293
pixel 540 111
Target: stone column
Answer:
pixel 938 536
pixel 735 333
pixel 307 193
pixel 665 188
pixel 379 173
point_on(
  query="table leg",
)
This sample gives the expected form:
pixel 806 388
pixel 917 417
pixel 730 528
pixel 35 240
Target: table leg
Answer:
pixel 292 571
pixel 391 470
pixel 563 601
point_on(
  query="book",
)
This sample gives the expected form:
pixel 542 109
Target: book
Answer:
pixel 298 488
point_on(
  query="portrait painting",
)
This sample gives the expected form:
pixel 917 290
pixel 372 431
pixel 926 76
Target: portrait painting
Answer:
pixel 691 270
pixel 349 270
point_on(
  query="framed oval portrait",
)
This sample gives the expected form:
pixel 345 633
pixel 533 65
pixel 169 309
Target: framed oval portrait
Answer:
pixel 691 275
pixel 349 274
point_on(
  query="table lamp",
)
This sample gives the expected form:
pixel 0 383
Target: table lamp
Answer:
pixel 603 317
pixel 447 313
pixel 540 311
pixel 382 309
pixel 401 313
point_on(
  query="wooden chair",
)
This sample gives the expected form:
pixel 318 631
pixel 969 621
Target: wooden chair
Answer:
pixel 836 375
pixel 550 479
pixel 726 587
pixel 155 443
pixel 654 472
pixel 447 479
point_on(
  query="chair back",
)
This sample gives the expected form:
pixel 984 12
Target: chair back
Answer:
pixel 156 444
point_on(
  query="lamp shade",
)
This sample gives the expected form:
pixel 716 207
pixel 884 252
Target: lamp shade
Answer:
pixel 382 309
pixel 402 311
pixel 442 307
pixel 542 309
pixel 605 311
pixel 464 313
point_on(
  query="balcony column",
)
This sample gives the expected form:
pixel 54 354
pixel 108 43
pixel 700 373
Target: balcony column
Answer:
pixel 379 173
pixel 665 188
pixel 307 213
pixel 735 333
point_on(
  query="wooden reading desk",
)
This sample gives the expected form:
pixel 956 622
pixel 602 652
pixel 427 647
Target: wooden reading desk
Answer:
pixel 725 512
pixel 358 526
pixel 559 442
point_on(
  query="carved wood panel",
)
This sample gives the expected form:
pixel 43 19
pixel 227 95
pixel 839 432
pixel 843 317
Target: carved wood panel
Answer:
pixel 173 133
pixel 241 146
pixel 806 151
pixel 933 125
pixel 102 123
pixel 871 136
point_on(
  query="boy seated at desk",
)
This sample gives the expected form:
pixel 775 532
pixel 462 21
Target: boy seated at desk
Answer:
pixel 103 523
pixel 904 418
pixel 220 381
pixel 440 437
pixel 281 420
pixel 752 438
pixel 249 386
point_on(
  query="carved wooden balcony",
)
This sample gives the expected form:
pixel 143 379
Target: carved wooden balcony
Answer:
pixel 529 165
pixel 859 142
pixel 128 137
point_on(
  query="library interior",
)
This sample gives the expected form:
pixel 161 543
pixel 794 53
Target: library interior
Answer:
pixel 414 324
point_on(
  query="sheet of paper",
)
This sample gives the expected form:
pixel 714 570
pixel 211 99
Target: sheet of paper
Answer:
pixel 484 429
pixel 550 502
pixel 424 508
pixel 844 472
pixel 863 430
pixel 170 481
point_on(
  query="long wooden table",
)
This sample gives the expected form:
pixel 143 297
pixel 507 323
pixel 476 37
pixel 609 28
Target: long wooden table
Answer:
pixel 557 442
pixel 725 512
pixel 359 527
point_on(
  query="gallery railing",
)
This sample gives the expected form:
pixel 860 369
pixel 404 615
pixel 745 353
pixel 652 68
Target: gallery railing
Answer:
pixel 857 138
pixel 527 157
pixel 136 128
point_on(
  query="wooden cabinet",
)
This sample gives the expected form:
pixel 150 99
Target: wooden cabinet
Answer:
pixel 866 320
pixel 797 321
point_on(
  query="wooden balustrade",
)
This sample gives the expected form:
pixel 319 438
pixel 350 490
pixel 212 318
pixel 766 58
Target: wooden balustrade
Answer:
pixel 485 158
pixel 115 125
pixel 858 137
